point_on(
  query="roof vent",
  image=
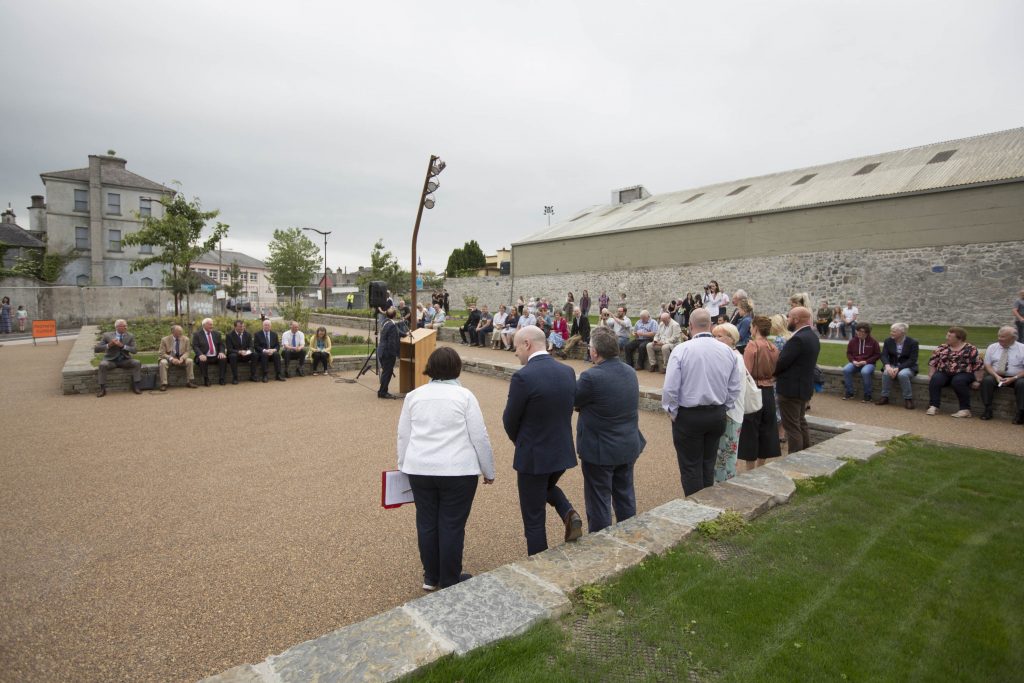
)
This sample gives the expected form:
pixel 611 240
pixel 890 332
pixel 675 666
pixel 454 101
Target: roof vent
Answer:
pixel 644 206
pixel 629 194
pixel 868 169
pixel 737 190
pixel 696 196
pixel 580 216
pixel 942 156
pixel 805 179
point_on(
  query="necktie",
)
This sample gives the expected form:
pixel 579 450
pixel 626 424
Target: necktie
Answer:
pixel 1003 362
pixel 177 350
pixel 211 350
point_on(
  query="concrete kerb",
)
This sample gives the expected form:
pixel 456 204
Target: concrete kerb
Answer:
pixel 508 600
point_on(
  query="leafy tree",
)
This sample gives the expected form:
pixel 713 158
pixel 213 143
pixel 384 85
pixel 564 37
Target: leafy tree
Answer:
pixel 456 263
pixel 474 255
pixel 178 236
pixel 43 264
pixel 384 266
pixel 294 259
pixel 237 286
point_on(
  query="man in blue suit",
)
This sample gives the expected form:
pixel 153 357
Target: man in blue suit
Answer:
pixel 608 436
pixel 538 419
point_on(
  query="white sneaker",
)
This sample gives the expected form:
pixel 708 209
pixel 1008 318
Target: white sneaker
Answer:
pixel 962 413
pixel 931 410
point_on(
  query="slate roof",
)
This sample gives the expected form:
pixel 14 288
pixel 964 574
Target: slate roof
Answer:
pixel 13 235
pixel 983 159
pixel 109 175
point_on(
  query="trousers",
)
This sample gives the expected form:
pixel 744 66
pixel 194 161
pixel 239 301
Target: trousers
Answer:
pixel 442 508
pixel 536 491
pixel 603 487
pixel 695 435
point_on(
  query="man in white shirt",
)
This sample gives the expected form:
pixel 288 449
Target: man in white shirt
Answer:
pixel 293 345
pixel 437 322
pixel 850 314
pixel 668 336
pixel 1004 367
pixel 621 325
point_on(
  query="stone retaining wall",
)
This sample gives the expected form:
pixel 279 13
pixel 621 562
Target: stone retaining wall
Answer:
pixel 79 376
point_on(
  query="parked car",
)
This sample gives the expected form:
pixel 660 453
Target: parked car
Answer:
pixel 240 305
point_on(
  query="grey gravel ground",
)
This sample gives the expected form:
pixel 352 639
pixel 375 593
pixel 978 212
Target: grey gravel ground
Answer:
pixel 166 537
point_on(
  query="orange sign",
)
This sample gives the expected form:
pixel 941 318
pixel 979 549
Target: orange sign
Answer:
pixel 44 328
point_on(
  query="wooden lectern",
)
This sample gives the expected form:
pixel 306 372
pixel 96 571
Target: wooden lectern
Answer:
pixel 413 352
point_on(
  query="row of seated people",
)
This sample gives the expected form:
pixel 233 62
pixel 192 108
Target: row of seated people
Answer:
pixel 209 347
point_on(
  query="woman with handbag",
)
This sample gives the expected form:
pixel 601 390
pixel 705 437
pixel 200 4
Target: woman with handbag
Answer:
pixel 728 444
pixel 759 439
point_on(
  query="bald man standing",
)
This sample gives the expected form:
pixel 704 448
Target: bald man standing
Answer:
pixel 538 420
pixel 794 378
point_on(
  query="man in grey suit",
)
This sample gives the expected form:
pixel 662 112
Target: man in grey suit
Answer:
pixel 117 348
pixel 608 437
pixel 538 420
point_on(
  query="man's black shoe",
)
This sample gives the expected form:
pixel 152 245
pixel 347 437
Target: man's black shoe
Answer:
pixel 279 378
pixel 392 396
pixel 987 415
pixel 299 371
pixel 286 375
pixel 206 382
pixel 234 381
pixel 265 378
pixel 1019 420
pixel 222 382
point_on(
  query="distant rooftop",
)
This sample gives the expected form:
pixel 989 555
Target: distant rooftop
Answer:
pixel 228 257
pixel 112 172
pixel 995 157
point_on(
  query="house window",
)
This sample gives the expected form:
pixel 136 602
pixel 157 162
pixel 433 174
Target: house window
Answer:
pixel 81 200
pixel 145 207
pixel 82 280
pixel 114 203
pixel 114 240
pixel 147 282
pixel 253 277
pixel 115 281
pixel 81 238
pixel 145 248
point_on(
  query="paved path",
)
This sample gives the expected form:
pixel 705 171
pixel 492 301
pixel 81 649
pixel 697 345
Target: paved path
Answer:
pixel 166 537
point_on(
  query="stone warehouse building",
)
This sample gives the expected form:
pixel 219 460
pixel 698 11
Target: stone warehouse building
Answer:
pixel 90 209
pixel 931 234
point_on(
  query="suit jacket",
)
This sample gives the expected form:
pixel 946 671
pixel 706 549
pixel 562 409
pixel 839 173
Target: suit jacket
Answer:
pixel 608 430
pixel 794 371
pixel 201 346
pixel 538 416
pixel 167 347
pixel 907 359
pixel 581 327
pixel 387 346
pixel 266 340
pixel 115 352
pixel 234 344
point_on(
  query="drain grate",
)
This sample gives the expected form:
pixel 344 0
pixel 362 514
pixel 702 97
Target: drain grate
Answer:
pixel 601 645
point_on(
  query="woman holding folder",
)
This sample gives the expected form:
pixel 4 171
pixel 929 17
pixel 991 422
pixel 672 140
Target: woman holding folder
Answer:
pixel 443 447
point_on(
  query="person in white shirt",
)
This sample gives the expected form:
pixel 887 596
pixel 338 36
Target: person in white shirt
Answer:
pixel 621 325
pixel 1004 367
pixel 849 325
pixel 437 321
pixel 444 448
pixel 668 336
pixel 293 346
pixel 499 324
pixel 715 301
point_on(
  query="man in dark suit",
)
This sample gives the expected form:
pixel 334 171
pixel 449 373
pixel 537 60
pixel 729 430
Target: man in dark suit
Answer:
pixel 899 362
pixel 579 332
pixel 387 352
pixel 209 350
pixel 240 350
pixel 608 437
pixel 794 377
pixel 117 348
pixel 470 325
pixel 538 419
pixel 268 347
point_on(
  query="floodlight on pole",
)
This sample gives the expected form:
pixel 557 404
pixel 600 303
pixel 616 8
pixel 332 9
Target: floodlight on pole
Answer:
pixel 549 211
pixel 434 168
pixel 325 234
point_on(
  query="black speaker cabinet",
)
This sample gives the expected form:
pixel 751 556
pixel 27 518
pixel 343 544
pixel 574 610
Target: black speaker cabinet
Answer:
pixel 378 294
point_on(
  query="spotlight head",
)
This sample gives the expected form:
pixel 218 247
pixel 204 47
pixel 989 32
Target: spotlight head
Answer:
pixel 428 202
pixel 437 167
pixel 433 185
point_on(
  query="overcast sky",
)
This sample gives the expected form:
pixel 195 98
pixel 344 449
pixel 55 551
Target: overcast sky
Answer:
pixel 324 114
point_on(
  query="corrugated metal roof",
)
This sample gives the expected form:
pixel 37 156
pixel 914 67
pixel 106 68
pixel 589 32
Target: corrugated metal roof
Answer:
pixel 982 159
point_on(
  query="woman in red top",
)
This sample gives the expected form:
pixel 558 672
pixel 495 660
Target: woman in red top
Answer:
pixel 863 352
pixel 956 362
pixel 559 332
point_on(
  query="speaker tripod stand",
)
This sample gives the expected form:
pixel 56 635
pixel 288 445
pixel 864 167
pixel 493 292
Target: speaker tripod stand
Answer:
pixel 372 355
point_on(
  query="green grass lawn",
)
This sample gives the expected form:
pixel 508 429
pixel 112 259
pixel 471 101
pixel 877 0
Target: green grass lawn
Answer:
pixel 150 357
pixel 907 568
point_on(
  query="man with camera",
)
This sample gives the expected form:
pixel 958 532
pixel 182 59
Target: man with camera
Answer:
pixel 173 352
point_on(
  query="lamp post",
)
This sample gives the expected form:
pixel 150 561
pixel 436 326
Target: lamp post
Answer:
pixel 549 211
pixel 430 183
pixel 325 234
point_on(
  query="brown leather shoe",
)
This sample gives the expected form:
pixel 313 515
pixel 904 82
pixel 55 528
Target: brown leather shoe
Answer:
pixel 573 526
pixel 884 401
pixel 101 392
pixel 908 404
pixel 191 385
pixel 136 389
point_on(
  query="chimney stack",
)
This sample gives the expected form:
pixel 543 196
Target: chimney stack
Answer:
pixel 37 214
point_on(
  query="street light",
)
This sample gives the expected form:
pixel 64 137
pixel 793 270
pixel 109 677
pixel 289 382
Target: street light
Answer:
pixel 325 234
pixel 430 185
pixel 549 211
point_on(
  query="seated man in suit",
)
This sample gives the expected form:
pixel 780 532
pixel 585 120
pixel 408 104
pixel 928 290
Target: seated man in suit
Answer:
pixel 899 362
pixel 240 350
pixel 117 348
pixel 268 347
pixel 579 332
pixel 1004 368
pixel 209 350
pixel 608 437
pixel 470 325
pixel 669 335
pixel 538 420
pixel 173 352
pixel 293 345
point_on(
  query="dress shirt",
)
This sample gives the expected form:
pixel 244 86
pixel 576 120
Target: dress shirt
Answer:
pixel 1015 361
pixel 527 320
pixel 668 334
pixel 442 433
pixel 439 317
pixel 701 372
pixel 649 326
pixel 620 330
pixel 296 339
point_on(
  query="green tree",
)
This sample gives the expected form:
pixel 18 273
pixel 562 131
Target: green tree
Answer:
pixel 384 266
pixel 178 236
pixel 43 264
pixel 294 259
pixel 236 286
pixel 474 255
pixel 456 263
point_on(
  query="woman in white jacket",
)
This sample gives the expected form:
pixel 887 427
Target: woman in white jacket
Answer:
pixel 443 447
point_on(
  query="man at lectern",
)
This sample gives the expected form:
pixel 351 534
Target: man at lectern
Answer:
pixel 387 352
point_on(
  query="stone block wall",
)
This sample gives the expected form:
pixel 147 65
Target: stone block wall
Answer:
pixel 977 285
